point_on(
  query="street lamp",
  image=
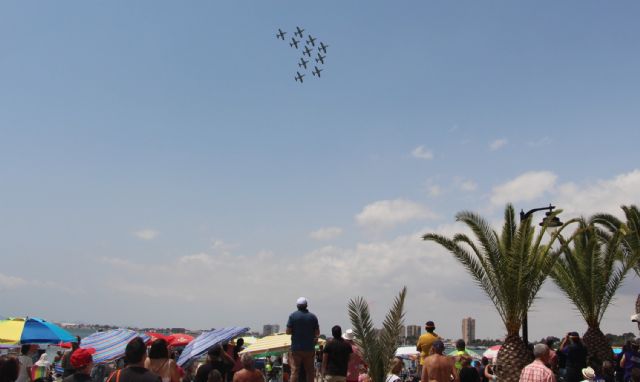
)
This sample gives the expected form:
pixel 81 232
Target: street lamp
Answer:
pixel 549 221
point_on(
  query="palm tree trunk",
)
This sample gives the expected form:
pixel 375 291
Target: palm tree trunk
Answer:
pixel 598 348
pixel 513 356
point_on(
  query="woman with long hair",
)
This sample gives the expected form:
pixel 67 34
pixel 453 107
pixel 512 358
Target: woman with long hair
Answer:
pixel 159 362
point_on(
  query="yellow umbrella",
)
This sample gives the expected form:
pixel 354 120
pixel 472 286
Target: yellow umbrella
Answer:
pixel 249 340
pixel 32 330
pixel 274 343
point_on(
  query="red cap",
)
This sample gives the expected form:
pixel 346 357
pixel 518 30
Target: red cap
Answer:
pixel 82 357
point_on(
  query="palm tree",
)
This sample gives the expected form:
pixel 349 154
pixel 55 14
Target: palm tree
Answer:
pixel 510 267
pixel 589 271
pixel 378 347
pixel 630 232
pixel 630 229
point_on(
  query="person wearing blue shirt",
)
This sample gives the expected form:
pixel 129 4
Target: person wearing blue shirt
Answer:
pixel 304 329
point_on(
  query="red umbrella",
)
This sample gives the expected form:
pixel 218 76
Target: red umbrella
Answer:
pixel 179 339
pixel 156 336
pixel 65 345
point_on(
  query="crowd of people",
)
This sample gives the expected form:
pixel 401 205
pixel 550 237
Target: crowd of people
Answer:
pixel 339 360
pixel 570 362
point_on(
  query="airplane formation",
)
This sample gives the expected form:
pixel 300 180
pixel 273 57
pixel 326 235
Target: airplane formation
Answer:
pixel 310 47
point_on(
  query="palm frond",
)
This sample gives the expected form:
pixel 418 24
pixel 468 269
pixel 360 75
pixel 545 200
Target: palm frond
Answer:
pixel 391 327
pixel 377 350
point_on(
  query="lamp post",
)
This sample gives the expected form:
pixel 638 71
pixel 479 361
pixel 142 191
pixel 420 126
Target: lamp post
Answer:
pixel 549 222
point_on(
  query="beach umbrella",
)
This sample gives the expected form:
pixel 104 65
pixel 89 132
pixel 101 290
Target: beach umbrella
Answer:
pixel 270 344
pixel 32 330
pixel 110 345
pixel 492 352
pixel 207 340
pixel 407 352
pixel 273 344
pixel 179 339
pixel 156 336
pixel 471 353
pixel 249 340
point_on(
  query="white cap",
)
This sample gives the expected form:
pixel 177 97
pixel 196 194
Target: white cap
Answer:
pixel 635 318
pixel 301 301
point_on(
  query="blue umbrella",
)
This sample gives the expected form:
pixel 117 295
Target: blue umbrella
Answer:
pixel 32 330
pixel 207 340
pixel 110 345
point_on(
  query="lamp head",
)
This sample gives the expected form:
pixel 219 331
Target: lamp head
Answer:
pixel 551 222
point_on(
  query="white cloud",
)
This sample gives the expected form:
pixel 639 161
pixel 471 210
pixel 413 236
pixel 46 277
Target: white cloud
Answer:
pixel 434 190
pixel 544 141
pixel 526 187
pixel 468 185
pixel 498 144
pixel 605 195
pixel 146 234
pixel 11 282
pixel 389 213
pixel 421 153
pixel 326 233
pixel 266 285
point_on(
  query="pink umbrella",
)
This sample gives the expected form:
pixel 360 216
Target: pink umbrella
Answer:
pixel 492 352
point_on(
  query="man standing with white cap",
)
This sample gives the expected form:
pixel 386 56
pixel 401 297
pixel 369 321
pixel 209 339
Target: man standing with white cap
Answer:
pixel 304 329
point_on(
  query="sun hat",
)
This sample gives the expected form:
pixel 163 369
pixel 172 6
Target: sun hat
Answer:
pixel 43 360
pixel 82 357
pixel 588 373
pixel 301 301
pixel 349 335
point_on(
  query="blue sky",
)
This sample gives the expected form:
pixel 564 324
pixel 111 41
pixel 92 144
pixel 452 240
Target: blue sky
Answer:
pixel 159 134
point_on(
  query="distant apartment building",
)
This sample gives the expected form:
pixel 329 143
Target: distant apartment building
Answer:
pixel 270 329
pixel 403 334
pixel 414 331
pixel 468 329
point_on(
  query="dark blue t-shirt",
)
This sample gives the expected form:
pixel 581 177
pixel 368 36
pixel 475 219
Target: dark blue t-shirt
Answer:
pixel 303 326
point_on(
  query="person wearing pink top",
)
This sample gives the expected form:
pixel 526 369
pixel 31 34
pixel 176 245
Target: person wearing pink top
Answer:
pixel 353 369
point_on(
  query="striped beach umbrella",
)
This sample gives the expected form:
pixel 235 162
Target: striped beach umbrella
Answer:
pixel 207 340
pixel 32 330
pixel 110 345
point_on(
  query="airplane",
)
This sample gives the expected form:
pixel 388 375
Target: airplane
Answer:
pixel 294 42
pixel 280 34
pixel 311 41
pixel 303 63
pixel 299 32
pixel 307 51
pixel 323 48
pixel 320 58
pixel 299 77
pixel 317 71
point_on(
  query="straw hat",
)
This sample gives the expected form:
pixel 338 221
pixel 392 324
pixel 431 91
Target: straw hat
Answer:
pixel 348 335
pixel 588 373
